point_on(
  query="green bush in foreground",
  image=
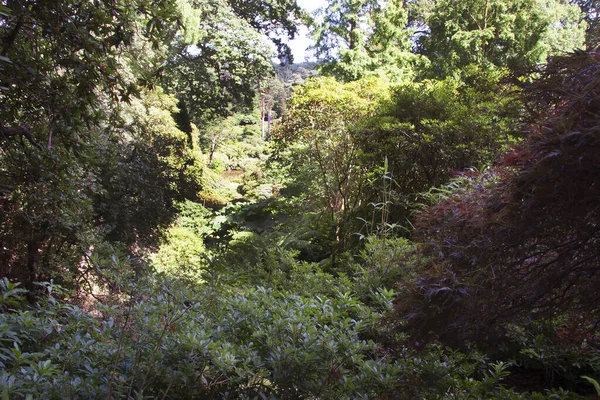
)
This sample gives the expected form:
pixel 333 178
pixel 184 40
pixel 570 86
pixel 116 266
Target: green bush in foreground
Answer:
pixel 165 341
pixel 169 342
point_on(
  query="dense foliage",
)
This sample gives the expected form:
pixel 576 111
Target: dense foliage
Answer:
pixel 354 39
pixel 415 215
pixel 90 153
pixel 77 159
pixel 513 33
pixel 519 243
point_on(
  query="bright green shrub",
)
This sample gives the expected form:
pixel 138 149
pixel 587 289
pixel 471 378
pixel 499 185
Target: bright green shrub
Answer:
pixel 383 262
pixel 181 255
pixel 168 341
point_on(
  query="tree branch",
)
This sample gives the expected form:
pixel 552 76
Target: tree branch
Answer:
pixel 23 131
pixel 8 42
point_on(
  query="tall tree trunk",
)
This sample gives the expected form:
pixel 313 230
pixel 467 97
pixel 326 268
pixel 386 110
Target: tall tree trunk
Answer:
pixel 33 251
pixel 262 116
pixel 269 123
pixel 213 148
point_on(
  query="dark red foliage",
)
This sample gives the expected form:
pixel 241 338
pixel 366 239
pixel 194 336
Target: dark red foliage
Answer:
pixel 521 243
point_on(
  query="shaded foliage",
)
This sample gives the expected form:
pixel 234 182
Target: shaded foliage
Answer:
pixel 590 14
pixel 431 129
pixel 75 165
pixel 521 244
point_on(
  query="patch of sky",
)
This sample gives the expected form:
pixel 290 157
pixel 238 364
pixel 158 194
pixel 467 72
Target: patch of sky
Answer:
pixel 302 40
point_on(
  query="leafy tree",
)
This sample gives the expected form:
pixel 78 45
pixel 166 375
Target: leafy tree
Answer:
pixel 431 130
pixel 272 98
pixel 325 116
pixel 273 18
pixel 342 27
pixel 220 73
pixel 590 10
pixel 422 132
pixel 497 33
pixel 390 44
pixel 68 68
pixel 354 39
pixel 217 66
pixel 217 134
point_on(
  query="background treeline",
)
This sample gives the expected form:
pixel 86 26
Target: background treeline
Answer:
pixel 415 215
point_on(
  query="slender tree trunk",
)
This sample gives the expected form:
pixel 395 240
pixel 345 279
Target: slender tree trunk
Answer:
pixel 213 148
pixel 334 247
pixel 353 42
pixel 262 116
pixel 33 250
pixel 269 123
